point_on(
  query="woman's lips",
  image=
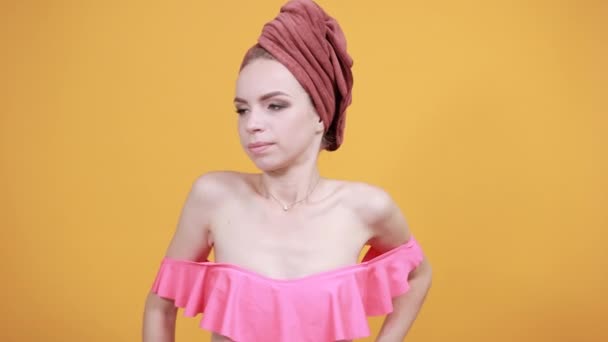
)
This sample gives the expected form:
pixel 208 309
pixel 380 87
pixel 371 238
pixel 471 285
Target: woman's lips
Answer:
pixel 259 147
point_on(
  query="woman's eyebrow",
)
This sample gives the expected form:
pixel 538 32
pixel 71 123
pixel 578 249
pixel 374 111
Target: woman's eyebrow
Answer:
pixel 263 97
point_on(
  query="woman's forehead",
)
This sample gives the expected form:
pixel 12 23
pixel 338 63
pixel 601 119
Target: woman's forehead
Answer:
pixel 264 76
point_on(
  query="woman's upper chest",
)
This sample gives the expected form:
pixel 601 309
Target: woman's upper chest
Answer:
pixel 288 244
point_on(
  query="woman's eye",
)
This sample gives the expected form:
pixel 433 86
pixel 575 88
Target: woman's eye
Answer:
pixel 276 107
pixel 240 111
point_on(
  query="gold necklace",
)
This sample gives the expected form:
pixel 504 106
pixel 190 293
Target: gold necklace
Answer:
pixel 286 207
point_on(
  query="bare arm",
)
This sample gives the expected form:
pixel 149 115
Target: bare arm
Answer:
pixel 407 306
pixel 191 242
pixel 390 229
pixel 159 319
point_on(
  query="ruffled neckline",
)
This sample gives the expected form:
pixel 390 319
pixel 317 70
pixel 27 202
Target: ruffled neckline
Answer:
pixel 332 305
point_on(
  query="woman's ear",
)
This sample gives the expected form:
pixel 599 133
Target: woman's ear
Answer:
pixel 320 127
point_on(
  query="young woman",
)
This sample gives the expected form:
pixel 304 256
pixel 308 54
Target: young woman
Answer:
pixel 287 240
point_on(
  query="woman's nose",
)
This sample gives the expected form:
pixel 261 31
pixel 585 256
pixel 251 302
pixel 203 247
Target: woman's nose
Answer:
pixel 255 120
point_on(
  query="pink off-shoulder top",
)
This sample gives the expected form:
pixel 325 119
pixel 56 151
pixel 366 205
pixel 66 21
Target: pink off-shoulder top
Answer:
pixel 329 306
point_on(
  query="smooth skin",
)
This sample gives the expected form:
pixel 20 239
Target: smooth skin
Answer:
pixel 240 215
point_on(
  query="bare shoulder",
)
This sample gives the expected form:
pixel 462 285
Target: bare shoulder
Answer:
pixel 192 239
pixel 216 185
pixel 377 209
pixel 371 202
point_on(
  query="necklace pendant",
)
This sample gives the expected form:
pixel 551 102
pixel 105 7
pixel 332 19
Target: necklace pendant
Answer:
pixel 285 208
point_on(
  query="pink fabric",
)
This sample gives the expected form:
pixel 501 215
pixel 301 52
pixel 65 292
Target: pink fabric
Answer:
pixel 311 44
pixel 327 306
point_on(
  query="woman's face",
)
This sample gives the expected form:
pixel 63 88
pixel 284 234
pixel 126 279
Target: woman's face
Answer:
pixel 278 125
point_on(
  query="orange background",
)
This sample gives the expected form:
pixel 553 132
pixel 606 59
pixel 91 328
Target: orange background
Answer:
pixel 486 121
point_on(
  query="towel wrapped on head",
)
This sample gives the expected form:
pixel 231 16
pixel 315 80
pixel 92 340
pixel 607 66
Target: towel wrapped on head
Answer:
pixel 311 44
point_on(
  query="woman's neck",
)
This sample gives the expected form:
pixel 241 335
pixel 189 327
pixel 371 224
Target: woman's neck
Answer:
pixel 290 187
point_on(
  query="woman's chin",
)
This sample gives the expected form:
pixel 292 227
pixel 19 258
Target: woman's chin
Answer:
pixel 268 168
pixel 267 165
